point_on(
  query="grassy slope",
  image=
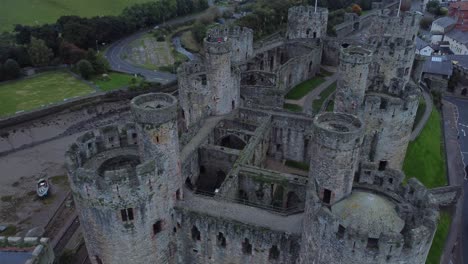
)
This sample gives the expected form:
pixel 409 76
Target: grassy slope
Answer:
pixel 304 88
pixel 46 11
pixel 117 80
pixel 40 90
pixel 293 107
pixel 425 160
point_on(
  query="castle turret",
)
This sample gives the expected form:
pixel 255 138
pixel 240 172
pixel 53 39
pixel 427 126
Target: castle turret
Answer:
pixel 241 39
pixel 393 38
pixel 335 154
pixel 123 201
pixel 352 79
pixel 223 79
pixel 155 115
pixel 307 22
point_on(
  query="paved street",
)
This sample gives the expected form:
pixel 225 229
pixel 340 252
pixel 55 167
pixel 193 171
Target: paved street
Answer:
pixel 461 119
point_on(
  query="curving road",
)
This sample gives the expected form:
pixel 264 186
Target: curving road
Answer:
pixel 115 51
pixel 114 56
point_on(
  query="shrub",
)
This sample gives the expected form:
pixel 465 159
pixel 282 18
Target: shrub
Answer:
pixel 85 69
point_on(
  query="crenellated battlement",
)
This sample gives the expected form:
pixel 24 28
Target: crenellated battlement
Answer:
pixel 337 130
pixel 380 233
pixel 231 32
pixel 308 11
pixel 400 28
pixel 190 68
pixel 154 108
pixel 355 55
pixel 106 161
pixel 217 45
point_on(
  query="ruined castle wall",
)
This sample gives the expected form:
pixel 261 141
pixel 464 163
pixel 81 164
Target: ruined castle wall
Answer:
pixel 208 239
pixel 289 137
pixel 306 23
pixel 254 96
pixel 389 122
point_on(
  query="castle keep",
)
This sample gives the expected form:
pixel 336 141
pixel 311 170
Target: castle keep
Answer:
pixel 201 178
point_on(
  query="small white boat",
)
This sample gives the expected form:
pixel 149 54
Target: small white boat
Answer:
pixel 42 188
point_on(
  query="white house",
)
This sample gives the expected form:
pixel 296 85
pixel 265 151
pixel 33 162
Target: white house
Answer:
pixel 458 41
pixel 440 27
pixel 423 48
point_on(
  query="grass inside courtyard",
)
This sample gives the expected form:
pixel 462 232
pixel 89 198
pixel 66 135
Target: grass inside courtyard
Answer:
pixel 39 90
pixel 304 88
pixel 292 107
pixel 425 160
pixel 38 12
pixel 317 104
pixel 115 81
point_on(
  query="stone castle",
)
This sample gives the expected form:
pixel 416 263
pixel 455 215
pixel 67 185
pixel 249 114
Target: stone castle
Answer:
pixel 201 178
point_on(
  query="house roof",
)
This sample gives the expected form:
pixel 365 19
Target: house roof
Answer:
pixel 461 60
pixel 445 22
pixel 463 6
pixel 438 65
pixel 459 36
pixel 420 43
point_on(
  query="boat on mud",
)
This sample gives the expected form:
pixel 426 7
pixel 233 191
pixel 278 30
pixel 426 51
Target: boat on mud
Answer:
pixel 42 188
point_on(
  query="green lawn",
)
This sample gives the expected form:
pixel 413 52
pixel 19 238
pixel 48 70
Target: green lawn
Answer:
pixel 293 107
pixel 317 104
pixel 40 90
pixel 37 12
pixel 439 239
pixel 116 81
pixel 425 160
pixel 304 88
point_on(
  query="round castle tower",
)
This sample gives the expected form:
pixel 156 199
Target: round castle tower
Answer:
pixel 352 79
pixel 223 79
pixel 389 121
pixel 194 93
pixel 393 39
pixel 304 22
pixel 241 39
pixel 381 222
pixel 124 196
pixel 335 146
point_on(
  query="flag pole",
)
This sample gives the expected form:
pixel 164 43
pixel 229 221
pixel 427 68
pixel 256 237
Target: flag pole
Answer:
pixel 316 6
pixel 399 8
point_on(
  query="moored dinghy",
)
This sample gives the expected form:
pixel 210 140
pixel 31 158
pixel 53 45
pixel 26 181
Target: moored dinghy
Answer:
pixel 42 188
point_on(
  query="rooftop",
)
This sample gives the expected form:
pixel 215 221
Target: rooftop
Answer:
pixel 445 22
pixel 420 43
pixel 438 65
pixel 459 36
pixel 368 212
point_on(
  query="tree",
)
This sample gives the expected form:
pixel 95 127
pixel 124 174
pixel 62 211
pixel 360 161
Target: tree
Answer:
pixel 70 53
pixel 433 7
pixel 426 22
pixel 356 9
pixel 39 53
pixel 11 70
pixel 85 68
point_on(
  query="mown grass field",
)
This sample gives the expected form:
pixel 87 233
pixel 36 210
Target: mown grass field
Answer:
pixel 116 81
pixel 425 160
pixel 36 12
pixel 39 90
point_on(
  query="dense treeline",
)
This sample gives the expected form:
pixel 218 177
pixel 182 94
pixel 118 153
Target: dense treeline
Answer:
pixel 267 16
pixel 69 39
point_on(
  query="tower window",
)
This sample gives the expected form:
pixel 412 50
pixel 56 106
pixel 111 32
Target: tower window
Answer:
pixel 127 214
pixel 246 247
pixel 383 104
pixel 326 196
pixel 341 231
pixel 382 165
pixel 372 243
pixel 274 253
pixel 134 135
pixel 195 233
pixel 157 227
pixel 221 240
